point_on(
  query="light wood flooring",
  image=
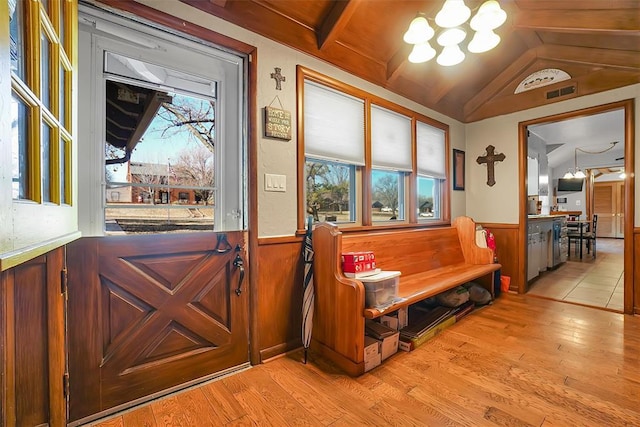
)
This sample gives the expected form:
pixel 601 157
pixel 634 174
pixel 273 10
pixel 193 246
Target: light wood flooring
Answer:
pixel 523 361
pixel 597 282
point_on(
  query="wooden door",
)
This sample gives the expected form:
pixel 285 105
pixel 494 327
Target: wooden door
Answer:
pixel 620 210
pixel 151 313
pixel 32 340
pixel 608 199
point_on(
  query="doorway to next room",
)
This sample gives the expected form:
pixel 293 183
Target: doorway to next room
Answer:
pixel 561 263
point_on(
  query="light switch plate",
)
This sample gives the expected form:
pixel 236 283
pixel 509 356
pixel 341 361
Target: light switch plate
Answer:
pixel 274 182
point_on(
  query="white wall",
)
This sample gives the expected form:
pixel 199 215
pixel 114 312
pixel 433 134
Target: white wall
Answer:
pixel 500 202
pixel 277 212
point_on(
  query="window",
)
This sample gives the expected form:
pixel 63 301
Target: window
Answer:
pixel 170 136
pixel 388 196
pixel 149 177
pixel 41 72
pixel 329 191
pixel 334 149
pixel 391 160
pixel 431 160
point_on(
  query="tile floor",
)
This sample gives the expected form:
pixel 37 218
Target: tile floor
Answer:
pixel 595 282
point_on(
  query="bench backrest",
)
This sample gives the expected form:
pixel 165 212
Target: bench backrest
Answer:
pixel 409 251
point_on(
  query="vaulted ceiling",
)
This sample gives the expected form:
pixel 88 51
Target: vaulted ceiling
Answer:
pixel 597 42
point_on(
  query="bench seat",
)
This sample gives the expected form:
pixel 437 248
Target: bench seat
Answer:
pixel 419 286
pixel 430 260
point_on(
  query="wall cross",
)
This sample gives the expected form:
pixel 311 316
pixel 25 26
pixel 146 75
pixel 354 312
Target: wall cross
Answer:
pixel 490 160
pixel 279 78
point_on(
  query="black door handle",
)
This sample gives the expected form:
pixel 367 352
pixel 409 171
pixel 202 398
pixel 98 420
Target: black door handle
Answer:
pixel 239 264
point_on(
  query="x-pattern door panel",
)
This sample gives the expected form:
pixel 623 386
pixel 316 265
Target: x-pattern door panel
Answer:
pixel 167 313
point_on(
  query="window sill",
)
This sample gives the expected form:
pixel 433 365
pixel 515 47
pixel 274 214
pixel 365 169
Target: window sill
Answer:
pixel 19 256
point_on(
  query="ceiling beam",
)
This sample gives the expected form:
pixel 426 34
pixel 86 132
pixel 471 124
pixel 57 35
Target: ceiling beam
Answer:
pixel 219 3
pixel 398 61
pixel 621 59
pixel 620 21
pixel 502 80
pixel 336 21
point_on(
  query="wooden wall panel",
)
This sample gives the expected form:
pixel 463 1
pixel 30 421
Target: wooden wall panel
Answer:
pixel 636 271
pixel 507 244
pixel 279 296
pixel 33 342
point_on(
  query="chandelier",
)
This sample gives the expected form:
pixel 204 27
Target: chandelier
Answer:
pixel 577 173
pixel 451 30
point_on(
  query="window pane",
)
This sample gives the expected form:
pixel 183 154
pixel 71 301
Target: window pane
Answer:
pixel 431 150
pixel 387 195
pixel 390 139
pixel 63 116
pixel 166 183
pixel 16 14
pixel 46 162
pixel 333 125
pixel 64 151
pixel 428 198
pixel 45 78
pixel 19 148
pixel 329 191
pixel 62 34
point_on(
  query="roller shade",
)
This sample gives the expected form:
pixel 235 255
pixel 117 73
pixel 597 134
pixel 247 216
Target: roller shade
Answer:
pixel 333 125
pixel 390 140
pixel 431 151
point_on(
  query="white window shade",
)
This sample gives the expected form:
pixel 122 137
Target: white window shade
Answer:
pixel 390 140
pixel 431 151
pixel 333 125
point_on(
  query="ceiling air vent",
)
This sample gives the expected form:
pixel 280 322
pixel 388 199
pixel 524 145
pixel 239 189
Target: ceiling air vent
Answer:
pixel 564 91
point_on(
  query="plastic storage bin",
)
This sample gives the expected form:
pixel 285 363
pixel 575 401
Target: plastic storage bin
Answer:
pixel 381 289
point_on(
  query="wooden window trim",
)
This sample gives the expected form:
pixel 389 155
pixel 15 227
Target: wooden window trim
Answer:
pixel 302 74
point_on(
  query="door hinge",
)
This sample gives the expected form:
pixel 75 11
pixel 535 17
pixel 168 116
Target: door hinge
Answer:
pixel 65 385
pixel 64 280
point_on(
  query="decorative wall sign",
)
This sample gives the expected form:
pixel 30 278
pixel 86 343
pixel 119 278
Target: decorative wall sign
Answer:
pixel 279 78
pixel 542 78
pixel 490 158
pixel 277 123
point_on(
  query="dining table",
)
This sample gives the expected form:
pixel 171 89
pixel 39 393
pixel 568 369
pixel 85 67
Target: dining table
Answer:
pixel 579 224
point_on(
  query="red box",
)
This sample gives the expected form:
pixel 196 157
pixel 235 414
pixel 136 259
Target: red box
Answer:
pixel 359 267
pixel 353 257
pixel 358 262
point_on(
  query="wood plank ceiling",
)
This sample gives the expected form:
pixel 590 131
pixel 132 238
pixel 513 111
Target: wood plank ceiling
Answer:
pixel 597 42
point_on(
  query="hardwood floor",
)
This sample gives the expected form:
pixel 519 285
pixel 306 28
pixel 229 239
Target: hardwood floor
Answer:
pixel 597 282
pixel 522 361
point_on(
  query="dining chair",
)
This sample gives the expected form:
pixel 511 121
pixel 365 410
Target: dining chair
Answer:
pixel 590 236
pixel 573 234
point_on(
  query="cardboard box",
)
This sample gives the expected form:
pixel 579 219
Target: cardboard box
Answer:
pixel 396 320
pixel 372 356
pixel 405 344
pixel 403 317
pixel 389 345
pixel 390 321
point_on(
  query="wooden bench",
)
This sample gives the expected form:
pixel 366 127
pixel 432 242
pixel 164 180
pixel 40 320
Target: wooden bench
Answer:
pixel 431 261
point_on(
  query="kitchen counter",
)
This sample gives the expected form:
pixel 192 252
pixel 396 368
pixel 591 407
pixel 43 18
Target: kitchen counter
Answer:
pixel 550 216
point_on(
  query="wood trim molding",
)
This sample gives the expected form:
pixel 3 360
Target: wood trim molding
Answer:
pixel 630 253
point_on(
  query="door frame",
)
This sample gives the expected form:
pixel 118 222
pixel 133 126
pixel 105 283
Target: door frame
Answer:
pixel 628 106
pixel 163 20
